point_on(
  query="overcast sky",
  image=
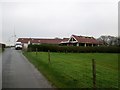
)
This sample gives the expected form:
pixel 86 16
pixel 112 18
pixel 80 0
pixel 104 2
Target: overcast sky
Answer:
pixel 57 18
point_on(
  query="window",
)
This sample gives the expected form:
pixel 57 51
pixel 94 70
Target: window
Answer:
pixel 72 39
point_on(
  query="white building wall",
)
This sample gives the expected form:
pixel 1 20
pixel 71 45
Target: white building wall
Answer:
pixel 77 44
pixel 25 45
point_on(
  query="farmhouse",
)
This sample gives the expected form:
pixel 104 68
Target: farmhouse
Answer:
pixel 24 41
pixel 81 41
pixel 27 41
pixel 72 41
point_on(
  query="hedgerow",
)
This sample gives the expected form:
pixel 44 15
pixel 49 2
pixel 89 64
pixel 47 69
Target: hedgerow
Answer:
pixel 80 49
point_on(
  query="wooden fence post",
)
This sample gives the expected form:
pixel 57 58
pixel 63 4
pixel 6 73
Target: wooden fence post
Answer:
pixel 94 72
pixel 49 56
pixel 36 51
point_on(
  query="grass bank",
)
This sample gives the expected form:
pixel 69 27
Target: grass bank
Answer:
pixel 74 70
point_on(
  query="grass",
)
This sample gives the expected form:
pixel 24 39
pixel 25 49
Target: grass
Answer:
pixel 0 50
pixel 74 70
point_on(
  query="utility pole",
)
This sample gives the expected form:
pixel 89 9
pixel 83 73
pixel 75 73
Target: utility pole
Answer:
pixel 9 42
pixel 14 36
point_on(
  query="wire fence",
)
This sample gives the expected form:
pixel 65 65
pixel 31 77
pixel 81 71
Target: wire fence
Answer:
pixel 89 74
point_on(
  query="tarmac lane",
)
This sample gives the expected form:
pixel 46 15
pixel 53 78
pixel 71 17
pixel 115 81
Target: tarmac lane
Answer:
pixel 18 72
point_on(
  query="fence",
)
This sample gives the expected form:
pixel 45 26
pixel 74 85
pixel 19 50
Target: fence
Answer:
pixel 75 72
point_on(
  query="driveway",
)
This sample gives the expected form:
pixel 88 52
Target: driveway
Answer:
pixel 18 72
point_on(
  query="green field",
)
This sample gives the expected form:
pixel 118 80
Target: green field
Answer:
pixel 74 70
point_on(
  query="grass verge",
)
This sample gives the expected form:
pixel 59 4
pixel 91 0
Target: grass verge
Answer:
pixel 74 70
pixel 0 50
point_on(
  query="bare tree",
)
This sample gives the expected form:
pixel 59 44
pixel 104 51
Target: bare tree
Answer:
pixel 110 40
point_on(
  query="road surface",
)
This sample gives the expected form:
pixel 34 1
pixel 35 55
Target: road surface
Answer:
pixel 18 72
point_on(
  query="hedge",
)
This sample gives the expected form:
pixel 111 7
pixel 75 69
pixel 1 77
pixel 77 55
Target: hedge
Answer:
pixel 2 46
pixel 80 49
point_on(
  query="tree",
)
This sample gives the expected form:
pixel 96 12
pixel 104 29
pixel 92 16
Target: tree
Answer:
pixel 110 40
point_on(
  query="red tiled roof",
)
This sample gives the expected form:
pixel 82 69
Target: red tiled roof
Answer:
pixel 43 41
pixel 65 39
pixel 83 39
pixel 46 41
pixel 80 39
pixel 23 40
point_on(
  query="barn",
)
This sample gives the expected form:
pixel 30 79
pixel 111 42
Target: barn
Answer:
pixel 26 41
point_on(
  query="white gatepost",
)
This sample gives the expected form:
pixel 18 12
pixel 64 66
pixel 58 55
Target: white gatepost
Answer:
pixel 92 45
